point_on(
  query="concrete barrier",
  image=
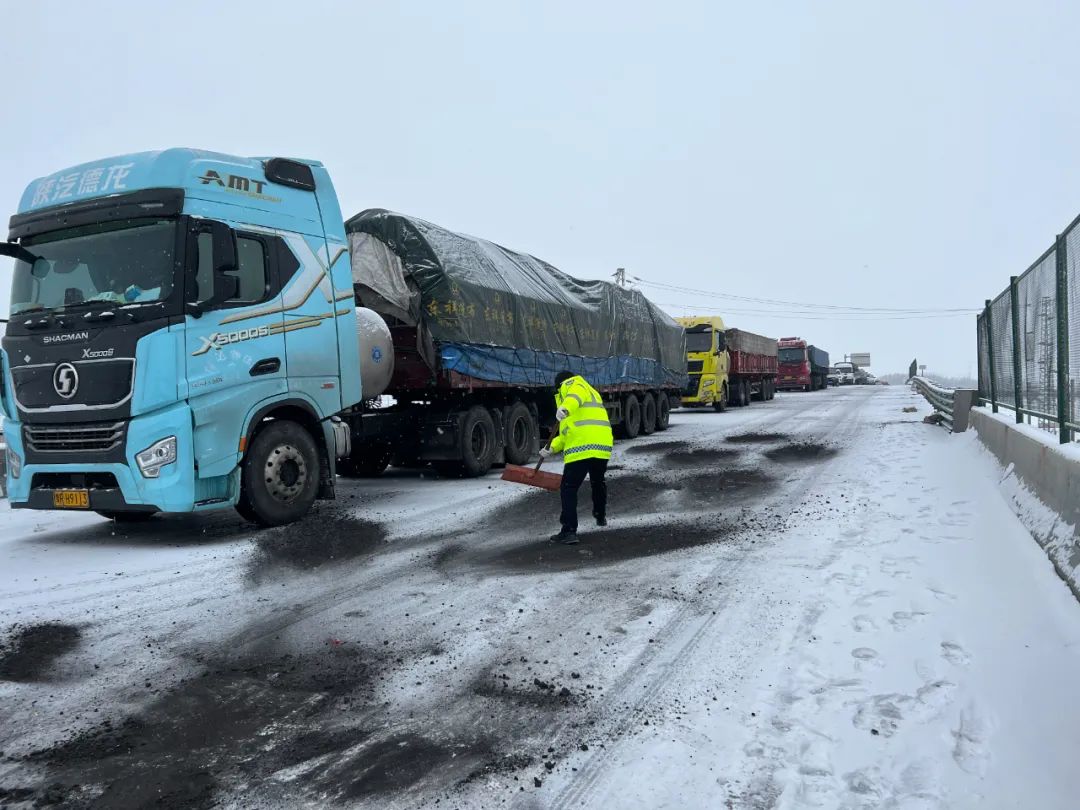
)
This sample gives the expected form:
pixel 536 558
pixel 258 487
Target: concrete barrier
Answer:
pixel 1036 465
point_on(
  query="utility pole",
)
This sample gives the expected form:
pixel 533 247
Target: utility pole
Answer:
pixel 620 277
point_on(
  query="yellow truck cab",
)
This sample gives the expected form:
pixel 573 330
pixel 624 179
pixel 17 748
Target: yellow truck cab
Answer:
pixel 706 362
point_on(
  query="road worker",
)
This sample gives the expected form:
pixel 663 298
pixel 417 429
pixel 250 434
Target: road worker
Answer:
pixel 585 440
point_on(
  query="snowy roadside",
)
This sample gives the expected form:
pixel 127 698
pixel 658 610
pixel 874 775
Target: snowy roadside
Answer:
pixel 904 643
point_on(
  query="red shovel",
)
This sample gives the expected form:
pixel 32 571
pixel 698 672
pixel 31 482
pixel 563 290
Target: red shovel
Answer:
pixel 532 475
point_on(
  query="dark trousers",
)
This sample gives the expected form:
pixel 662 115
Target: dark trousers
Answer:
pixel 572 478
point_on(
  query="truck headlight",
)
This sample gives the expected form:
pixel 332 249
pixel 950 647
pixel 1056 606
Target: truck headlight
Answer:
pixel 156 456
pixel 14 463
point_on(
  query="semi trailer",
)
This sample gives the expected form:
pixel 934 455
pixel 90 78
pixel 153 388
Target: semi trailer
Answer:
pixel 186 335
pixel 727 366
pixel 479 333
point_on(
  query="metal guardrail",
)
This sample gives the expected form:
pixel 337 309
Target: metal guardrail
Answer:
pixel 954 404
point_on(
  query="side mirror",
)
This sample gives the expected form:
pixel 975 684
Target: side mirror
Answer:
pixel 224 243
pixel 226 285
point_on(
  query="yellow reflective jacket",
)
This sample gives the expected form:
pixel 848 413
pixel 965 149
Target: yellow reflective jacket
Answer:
pixel 586 432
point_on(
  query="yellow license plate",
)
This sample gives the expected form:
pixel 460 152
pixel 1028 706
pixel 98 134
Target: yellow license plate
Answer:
pixel 71 499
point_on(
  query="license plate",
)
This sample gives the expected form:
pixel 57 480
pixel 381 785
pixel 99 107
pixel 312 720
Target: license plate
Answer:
pixel 71 499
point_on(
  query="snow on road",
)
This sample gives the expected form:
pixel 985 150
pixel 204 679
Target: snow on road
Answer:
pixel 817 601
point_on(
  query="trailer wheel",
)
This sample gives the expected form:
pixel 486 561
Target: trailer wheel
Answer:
pixel 521 433
pixel 631 422
pixel 770 390
pixel 279 476
pixel 741 397
pixel 365 461
pixel 478 443
pixel 663 411
pixel 721 404
pixel 648 414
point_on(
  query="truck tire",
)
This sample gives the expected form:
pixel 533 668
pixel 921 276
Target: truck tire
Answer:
pixel 742 394
pixel 663 411
pixel 477 446
pixel 771 389
pixel 721 404
pixel 279 476
pixel 648 414
pixel 521 434
pixel 365 461
pixel 631 421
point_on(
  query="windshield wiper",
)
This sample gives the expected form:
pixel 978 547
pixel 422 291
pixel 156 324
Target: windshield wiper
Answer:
pixel 91 303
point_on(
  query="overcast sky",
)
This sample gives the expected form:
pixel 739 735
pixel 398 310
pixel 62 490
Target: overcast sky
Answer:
pixel 866 154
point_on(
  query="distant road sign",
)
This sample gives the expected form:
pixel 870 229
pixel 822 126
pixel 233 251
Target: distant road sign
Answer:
pixel 860 359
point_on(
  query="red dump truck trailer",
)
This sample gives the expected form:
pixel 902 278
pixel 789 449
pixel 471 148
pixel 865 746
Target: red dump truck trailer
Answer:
pixel 752 370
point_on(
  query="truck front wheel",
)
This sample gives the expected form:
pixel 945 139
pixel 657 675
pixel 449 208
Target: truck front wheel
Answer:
pixel 279 476
pixel 648 414
pixel 721 404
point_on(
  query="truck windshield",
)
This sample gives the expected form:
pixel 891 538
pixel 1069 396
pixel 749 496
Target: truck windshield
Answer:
pixel 791 355
pixel 117 263
pixel 699 341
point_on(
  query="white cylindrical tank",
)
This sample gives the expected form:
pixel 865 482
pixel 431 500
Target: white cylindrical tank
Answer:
pixel 376 352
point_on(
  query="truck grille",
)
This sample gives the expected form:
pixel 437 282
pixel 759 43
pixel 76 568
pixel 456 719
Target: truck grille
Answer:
pixel 695 366
pixel 83 438
pixel 692 386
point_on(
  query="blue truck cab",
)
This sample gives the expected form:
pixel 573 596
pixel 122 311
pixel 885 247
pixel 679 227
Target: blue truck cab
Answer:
pixel 182 334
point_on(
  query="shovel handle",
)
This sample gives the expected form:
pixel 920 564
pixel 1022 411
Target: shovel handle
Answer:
pixel 554 433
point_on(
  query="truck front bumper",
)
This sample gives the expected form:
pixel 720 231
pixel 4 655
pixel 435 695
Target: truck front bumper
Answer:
pixel 791 382
pixel 113 486
pixel 700 390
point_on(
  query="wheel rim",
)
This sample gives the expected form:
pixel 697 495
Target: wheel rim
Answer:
pixel 286 473
pixel 520 434
pixel 478 440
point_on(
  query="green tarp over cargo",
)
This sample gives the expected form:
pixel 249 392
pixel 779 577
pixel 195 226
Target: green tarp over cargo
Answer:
pixel 505 316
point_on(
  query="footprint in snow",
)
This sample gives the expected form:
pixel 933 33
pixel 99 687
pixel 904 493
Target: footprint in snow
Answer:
pixel 863 623
pixel 869 784
pixel 865 656
pixel 867 598
pixel 941 594
pixel 898 566
pixel 885 713
pixel 844 684
pixel 954 653
pixel 972 736
pixel 817 785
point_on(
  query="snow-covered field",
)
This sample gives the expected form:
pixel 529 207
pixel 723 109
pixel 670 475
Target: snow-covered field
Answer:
pixel 817 601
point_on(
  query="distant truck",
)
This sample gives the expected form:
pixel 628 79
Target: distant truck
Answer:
pixel 846 373
pixel 726 366
pixel 193 331
pixel 802 367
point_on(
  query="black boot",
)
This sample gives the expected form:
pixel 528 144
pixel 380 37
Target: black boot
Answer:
pixel 564 538
pixel 600 519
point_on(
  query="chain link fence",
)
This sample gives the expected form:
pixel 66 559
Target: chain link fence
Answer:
pixel 1029 341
